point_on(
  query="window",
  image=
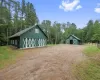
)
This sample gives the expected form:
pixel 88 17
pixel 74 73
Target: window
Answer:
pixel 15 42
pixel 36 30
pixel 11 41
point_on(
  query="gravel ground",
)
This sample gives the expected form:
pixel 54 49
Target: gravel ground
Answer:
pixel 49 63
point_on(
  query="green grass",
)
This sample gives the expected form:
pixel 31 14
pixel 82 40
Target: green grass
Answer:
pixel 90 68
pixel 91 50
pixel 8 56
pixel 51 44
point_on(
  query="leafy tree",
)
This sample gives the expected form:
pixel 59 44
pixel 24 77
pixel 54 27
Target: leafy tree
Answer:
pixel 57 28
pixel 31 17
pixel 96 31
pixel 89 31
pixel 46 25
pixel 15 16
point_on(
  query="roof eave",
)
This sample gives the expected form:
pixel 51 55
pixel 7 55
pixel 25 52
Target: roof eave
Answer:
pixel 14 36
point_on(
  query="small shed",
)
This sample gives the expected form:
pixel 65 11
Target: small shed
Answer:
pixel 72 39
pixel 29 38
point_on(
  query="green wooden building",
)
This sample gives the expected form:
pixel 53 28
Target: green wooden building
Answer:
pixel 72 39
pixel 29 38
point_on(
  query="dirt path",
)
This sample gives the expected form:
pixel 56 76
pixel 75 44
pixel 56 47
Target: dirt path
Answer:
pixel 51 63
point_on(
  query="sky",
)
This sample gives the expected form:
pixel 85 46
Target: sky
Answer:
pixel 63 11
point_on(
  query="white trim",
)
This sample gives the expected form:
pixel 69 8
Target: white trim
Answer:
pixel 26 42
pixel 33 43
pixel 39 42
pixel 29 42
pixel 42 42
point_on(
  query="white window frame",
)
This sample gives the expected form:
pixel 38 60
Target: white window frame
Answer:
pixel 36 30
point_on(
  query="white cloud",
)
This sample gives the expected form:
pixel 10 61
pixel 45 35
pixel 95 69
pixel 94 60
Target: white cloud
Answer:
pixel 70 6
pixel 97 9
pixel 78 7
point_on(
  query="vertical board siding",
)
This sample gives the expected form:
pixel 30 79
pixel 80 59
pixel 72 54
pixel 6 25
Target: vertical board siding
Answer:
pixel 75 41
pixel 33 39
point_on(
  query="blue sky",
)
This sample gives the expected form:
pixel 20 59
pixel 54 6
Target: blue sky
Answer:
pixel 74 11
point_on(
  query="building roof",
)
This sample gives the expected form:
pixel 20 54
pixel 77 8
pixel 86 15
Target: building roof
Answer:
pixel 25 30
pixel 74 37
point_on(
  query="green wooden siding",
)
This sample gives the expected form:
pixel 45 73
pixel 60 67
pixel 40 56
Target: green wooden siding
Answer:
pixel 74 40
pixel 32 35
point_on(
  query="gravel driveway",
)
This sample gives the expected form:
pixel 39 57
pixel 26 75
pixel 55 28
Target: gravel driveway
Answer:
pixel 50 63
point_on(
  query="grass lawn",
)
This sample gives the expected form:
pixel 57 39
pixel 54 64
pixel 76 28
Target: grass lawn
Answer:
pixel 8 56
pixel 91 50
pixel 90 68
pixel 51 44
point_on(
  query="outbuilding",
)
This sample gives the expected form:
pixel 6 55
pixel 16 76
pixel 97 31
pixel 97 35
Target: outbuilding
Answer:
pixel 29 38
pixel 72 39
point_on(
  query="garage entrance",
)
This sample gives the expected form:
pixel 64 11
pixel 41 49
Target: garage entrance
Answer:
pixel 71 41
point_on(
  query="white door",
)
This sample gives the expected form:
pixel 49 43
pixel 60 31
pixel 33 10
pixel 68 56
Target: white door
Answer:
pixel 39 42
pixel 33 43
pixel 25 43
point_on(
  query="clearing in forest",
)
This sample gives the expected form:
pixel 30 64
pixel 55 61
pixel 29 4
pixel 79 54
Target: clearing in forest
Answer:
pixel 50 63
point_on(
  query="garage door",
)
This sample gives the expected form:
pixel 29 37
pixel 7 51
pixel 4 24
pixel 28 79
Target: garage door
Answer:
pixel 29 43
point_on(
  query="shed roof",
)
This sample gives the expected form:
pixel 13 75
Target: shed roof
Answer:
pixel 25 30
pixel 74 37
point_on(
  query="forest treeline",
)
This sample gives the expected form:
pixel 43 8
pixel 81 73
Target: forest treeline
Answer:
pixel 58 32
pixel 16 16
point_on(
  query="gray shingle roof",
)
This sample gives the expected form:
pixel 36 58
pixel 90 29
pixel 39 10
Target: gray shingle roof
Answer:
pixel 75 37
pixel 25 30
pixel 21 32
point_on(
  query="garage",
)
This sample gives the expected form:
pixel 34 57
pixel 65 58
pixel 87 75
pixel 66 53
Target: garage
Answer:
pixel 72 39
pixel 29 38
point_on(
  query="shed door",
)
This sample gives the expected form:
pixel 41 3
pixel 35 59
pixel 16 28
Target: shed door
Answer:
pixel 41 42
pixel 29 43
pixel 25 43
pixel 71 41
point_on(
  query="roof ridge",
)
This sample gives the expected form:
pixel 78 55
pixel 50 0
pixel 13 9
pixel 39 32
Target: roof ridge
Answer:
pixel 74 36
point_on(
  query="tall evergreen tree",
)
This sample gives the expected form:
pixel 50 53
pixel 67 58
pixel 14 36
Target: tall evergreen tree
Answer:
pixel 22 13
pixel 14 17
pixel 31 17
